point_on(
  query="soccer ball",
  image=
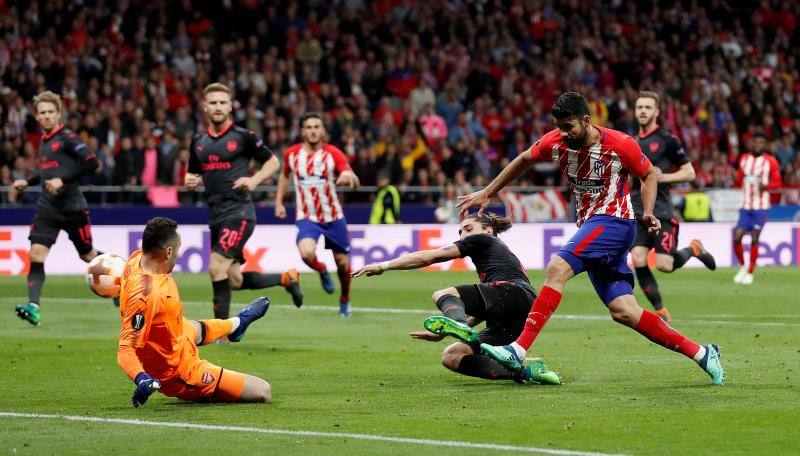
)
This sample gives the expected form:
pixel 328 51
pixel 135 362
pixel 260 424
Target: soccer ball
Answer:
pixel 104 274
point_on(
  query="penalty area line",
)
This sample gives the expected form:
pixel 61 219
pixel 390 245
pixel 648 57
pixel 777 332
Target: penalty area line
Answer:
pixel 336 435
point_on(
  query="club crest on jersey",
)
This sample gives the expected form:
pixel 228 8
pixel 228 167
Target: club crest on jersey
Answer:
pixel 599 167
pixel 232 145
pixel 55 146
pixel 653 147
pixel 207 378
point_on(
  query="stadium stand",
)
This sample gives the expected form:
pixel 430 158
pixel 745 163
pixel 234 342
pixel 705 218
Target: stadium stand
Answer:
pixel 429 92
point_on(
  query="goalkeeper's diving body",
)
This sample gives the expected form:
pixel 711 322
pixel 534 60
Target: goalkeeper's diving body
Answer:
pixel 502 299
pixel 158 345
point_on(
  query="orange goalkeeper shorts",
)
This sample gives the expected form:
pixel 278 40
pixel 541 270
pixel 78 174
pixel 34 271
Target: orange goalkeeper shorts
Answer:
pixel 204 381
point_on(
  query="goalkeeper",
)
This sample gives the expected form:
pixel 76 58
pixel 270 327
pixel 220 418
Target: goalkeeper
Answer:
pixel 503 299
pixel 158 345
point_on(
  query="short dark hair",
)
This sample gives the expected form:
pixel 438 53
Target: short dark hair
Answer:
pixel 159 232
pixel 570 104
pixel 760 134
pixel 311 115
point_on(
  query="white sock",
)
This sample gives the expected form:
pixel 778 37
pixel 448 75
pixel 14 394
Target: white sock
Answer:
pixel 234 323
pixel 700 354
pixel 521 352
pixel 34 304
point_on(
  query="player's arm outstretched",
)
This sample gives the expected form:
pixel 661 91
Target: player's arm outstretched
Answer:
pixel 137 316
pixel 414 260
pixel 510 173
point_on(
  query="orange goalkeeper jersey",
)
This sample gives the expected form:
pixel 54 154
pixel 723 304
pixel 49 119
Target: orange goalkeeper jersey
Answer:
pixel 154 337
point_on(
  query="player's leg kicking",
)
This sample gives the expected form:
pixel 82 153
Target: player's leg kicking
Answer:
pixel 504 316
pixel 600 247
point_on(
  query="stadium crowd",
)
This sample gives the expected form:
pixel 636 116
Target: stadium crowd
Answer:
pixel 428 93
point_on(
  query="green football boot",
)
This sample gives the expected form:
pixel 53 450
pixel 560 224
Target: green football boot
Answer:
pixel 450 327
pixel 29 313
pixel 712 364
pixel 537 373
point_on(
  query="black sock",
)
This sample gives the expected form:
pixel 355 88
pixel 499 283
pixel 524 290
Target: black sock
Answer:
pixel 257 280
pixel 482 366
pixel 680 257
pixel 452 307
pixel 35 282
pixel 649 286
pixel 222 298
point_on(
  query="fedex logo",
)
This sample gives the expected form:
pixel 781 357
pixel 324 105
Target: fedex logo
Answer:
pixel 772 252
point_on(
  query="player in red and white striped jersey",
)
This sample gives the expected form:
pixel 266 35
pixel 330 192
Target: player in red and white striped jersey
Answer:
pixel 313 166
pixel 758 173
pixel 599 163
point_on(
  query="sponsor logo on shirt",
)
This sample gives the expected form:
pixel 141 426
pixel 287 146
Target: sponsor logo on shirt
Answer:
pixel 588 186
pixel 214 163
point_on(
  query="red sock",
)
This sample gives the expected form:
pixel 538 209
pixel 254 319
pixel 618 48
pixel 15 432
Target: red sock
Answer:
pixel 655 329
pixel 753 256
pixel 316 265
pixel 344 280
pixel 543 306
pixel 739 250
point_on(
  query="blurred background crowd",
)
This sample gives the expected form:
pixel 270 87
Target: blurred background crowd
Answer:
pixel 437 94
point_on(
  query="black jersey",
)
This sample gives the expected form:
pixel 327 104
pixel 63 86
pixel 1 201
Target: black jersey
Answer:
pixel 665 151
pixel 493 260
pixel 62 154
pixel 222 159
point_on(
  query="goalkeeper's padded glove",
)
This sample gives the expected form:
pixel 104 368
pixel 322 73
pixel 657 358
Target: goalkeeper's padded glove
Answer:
pixel 145 386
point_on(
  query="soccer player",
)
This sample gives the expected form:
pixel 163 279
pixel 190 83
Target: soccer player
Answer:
pixel 758 173
pixel 502 299
pixel 221 157
pixel 158 345
pixel 63 160
pixel 598 162
pixel 313 165
pixel 666 153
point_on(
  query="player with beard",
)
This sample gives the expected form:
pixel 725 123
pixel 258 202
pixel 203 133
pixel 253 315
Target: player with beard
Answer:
pixel 598 162
pixel 758 173
pixel 221 159
pixel 313 165
pixel 63 160
pixel 502 299
pixel 671 165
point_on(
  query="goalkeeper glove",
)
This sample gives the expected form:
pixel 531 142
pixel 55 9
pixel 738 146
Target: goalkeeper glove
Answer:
pixel 145 386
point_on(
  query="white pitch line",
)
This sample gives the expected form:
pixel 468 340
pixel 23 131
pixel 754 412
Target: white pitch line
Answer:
pixel 387 310
pixel 337 435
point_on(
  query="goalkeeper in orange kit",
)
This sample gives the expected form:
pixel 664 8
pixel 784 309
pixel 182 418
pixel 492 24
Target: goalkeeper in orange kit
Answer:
pixel 158 345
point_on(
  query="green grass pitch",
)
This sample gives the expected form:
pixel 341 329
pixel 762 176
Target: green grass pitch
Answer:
pixel 364 375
